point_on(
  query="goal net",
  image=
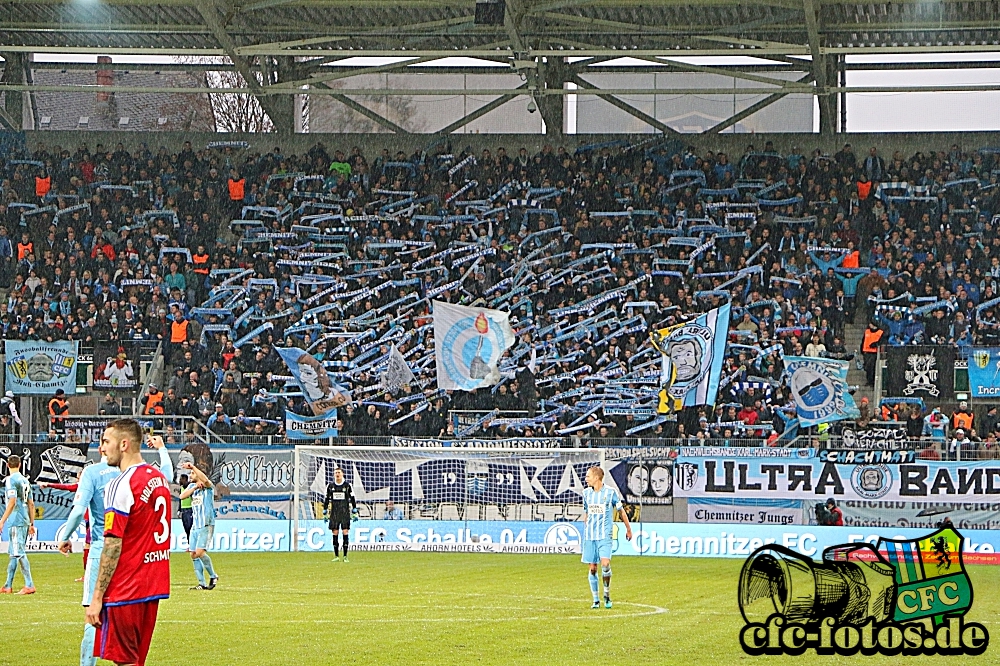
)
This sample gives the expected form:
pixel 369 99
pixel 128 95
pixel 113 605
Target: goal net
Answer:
pixel 448 483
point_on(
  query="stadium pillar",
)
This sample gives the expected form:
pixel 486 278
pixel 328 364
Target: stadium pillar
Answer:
pixel 14 74
pixel 828 103
pixel 282 107
pixel 554 74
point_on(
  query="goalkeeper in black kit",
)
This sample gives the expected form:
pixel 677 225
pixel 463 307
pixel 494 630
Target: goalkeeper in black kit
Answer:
pixel 339 507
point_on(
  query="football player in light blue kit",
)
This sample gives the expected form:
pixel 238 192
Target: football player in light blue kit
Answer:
pixel 20 513
pixel 599 505
pixel 202 494
pixel 90 495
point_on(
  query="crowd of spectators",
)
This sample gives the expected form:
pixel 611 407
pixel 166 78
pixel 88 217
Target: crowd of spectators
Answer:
pixel 587 248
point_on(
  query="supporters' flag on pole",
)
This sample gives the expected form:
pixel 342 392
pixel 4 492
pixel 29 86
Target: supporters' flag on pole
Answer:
pixel 692 355
pixel 397 374
pixel 319 391
pixel 819 388
pixel 468 344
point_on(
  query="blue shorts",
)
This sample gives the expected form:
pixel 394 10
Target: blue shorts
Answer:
pixel 202 538
pixel 90 573
pixel 596 550
pixel 17 540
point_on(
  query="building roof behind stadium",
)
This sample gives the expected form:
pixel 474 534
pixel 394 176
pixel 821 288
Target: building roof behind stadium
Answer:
pixel 330 27
pixel 281 46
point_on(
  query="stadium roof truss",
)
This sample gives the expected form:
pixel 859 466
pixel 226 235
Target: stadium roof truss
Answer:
pixel 287 47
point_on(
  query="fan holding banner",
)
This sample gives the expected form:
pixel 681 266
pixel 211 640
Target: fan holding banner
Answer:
pixel 692 354
pixel 319 392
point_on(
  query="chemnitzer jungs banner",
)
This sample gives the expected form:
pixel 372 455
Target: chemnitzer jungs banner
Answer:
pixel 813 479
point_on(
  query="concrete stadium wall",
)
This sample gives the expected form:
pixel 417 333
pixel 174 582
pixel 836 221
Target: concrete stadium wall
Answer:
pixel 372 144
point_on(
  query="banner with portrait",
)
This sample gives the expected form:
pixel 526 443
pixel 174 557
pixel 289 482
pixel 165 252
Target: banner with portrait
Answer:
pixel 984 372
pixel 36 367
pixel 692 355
pixel 922 371
pixel 116 366
pixel 647 481
pixel 819 389
pixel 319 390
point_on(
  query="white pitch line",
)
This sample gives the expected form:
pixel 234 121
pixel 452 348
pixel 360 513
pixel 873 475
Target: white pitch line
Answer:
pixel 652 610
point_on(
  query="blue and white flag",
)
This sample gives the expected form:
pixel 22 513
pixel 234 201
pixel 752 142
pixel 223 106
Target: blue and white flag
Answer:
pixel 468 344
pixel 320 392
pixel 40 368
pixel 819 388
pixel 984 372
pixel 305 427
pixel 396 374
pixel 692 359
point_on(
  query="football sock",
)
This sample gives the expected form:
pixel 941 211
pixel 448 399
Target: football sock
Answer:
pixel 606 572
pixel 336 544
pixel 199 571
pixel 346 538
pixel 593 584
pixel 87 657
pixel 26 570
pixel 207 563
pixel 86 554
pixel 11 570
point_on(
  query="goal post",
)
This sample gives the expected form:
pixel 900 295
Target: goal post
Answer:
pixel 447 483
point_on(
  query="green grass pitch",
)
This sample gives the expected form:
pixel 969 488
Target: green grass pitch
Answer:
pixel 430 608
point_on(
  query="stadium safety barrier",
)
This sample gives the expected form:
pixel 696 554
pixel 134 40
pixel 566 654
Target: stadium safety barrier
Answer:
pixel 461 494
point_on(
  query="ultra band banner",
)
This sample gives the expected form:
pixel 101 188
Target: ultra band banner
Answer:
pixel 922 371
pixel 816 480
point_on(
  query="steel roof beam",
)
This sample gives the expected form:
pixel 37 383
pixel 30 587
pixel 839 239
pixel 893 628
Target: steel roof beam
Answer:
pixel 277 112
pixel 753 108
pixel 453 92
pixel 705 69
pixel 366 112
pixel 610 98
pixel 482 111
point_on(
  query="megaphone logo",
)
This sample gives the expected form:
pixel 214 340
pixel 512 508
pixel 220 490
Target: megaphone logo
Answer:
pixel 903 597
